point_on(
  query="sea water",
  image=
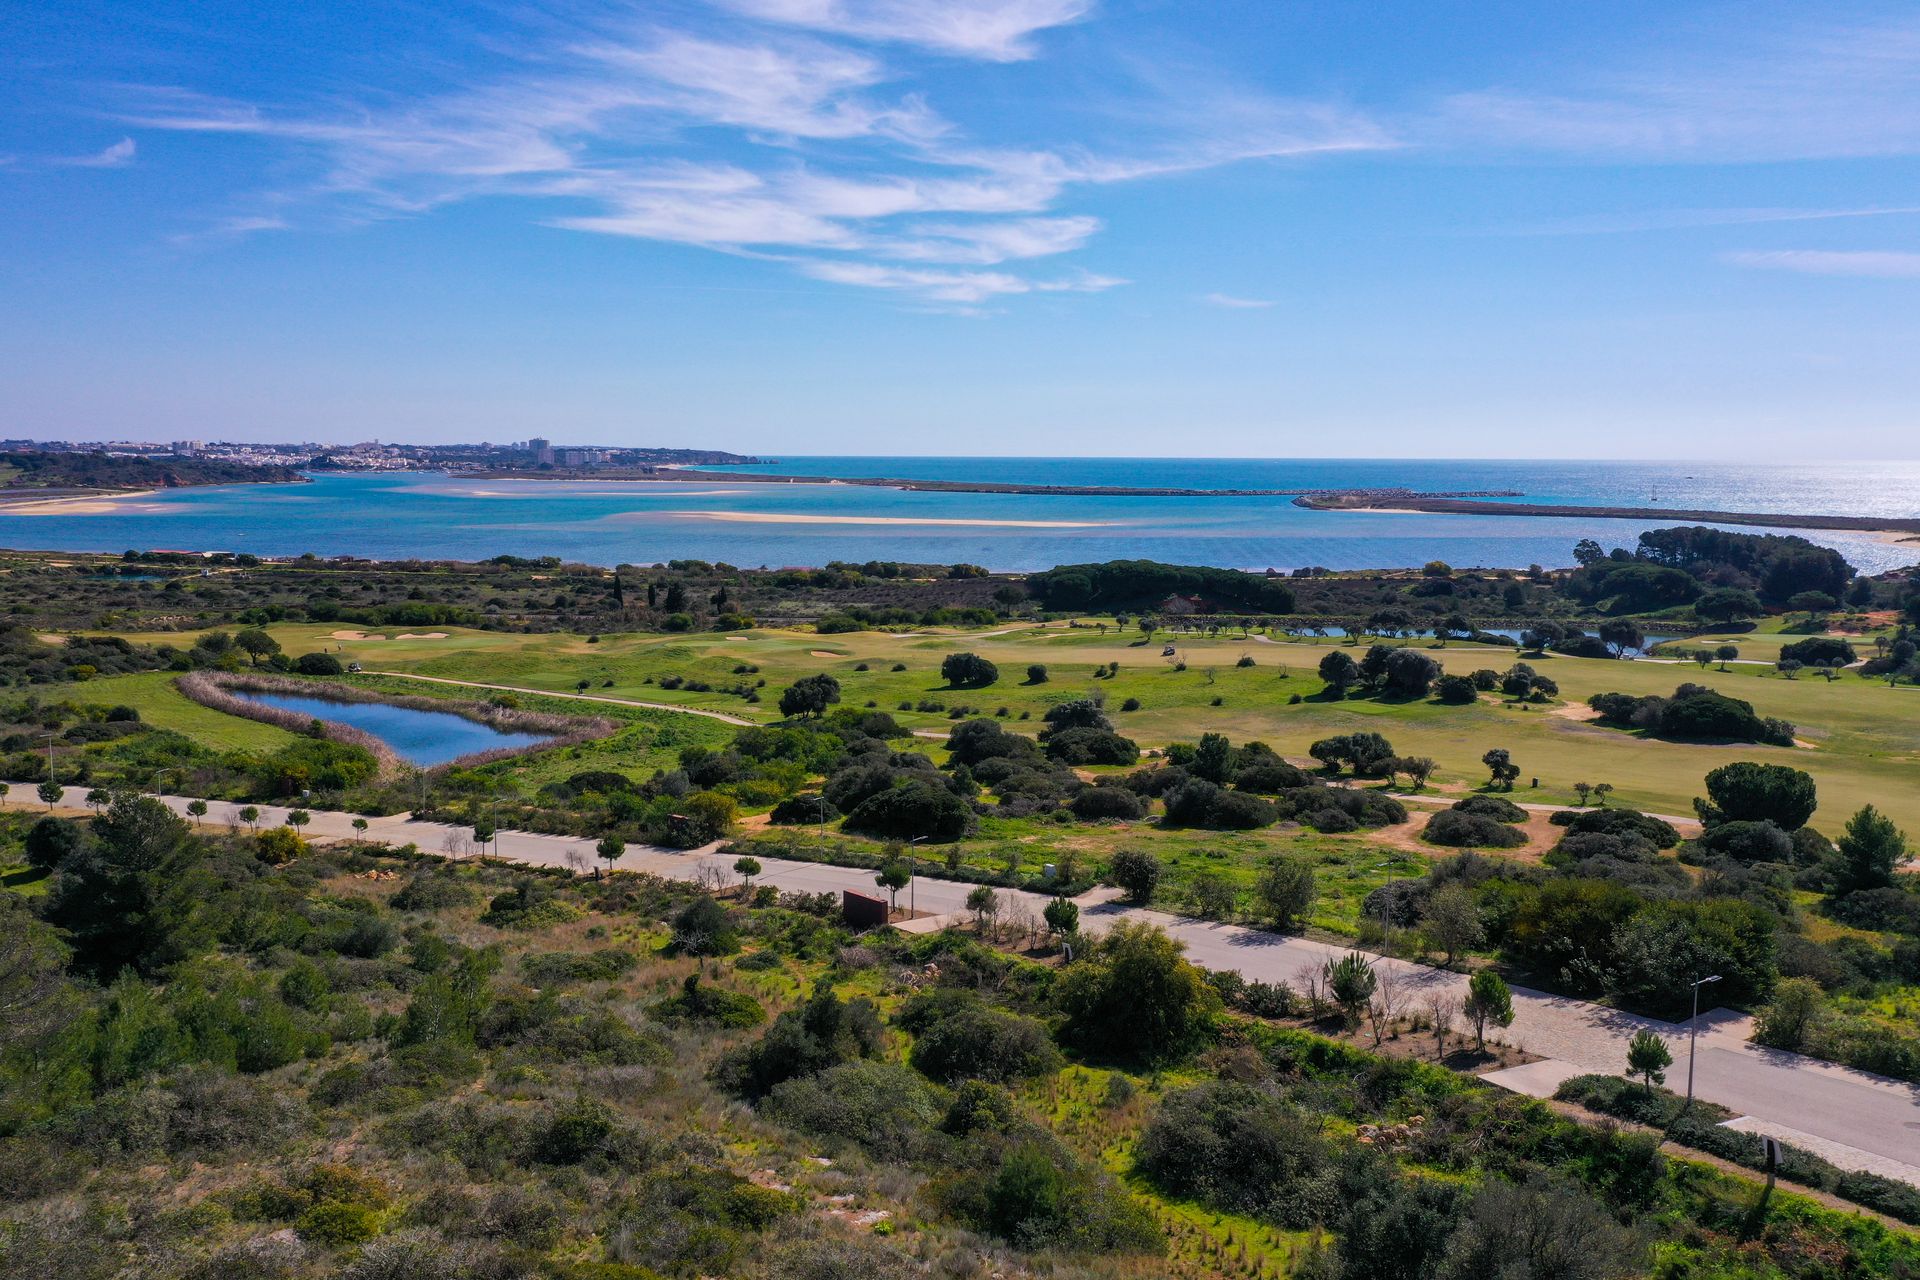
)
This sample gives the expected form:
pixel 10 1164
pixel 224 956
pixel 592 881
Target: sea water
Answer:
pixel 428 515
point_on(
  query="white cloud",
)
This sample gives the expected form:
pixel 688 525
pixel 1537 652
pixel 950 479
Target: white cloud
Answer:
pixel 764 140
pixel 1885 264
pixel 1237 304
pixel 997 30
pixel 1711 95
pixel 117 156
pixel 952 286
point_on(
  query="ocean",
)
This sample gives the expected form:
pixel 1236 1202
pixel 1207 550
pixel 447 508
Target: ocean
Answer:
pixel 427 515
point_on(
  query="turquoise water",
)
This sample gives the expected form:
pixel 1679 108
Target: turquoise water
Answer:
pixel 423 738
pixel 408 515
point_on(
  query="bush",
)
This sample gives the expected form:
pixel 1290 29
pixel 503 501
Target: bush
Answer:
pixel 877 1106
pixel 1091 746
pixel 1037 1195
pixel 318 664
pixel 1240 1150
pixel 1749 792
pixel 1456 690
pixel 985 1044
pixel 1461 830
pixel 1096 804
pixel 1818 650
pixel 803 809
pixel 1749 842
pixel 1499 808
pixel 1132 995
pixel 333 1225
pixel 1202 804
pixel 968 671
pixel 913 808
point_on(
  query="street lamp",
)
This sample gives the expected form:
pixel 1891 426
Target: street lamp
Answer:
pixel 913 877
pixel 1386 907
pixel 1693 1032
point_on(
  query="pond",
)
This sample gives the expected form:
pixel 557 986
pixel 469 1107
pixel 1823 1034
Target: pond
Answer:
pixel 422 738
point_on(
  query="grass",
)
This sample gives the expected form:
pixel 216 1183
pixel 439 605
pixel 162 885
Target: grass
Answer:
pixel 152 694
pixel 1864 737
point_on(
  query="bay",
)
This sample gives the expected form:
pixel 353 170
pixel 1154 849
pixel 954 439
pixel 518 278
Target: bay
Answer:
pixel 428 515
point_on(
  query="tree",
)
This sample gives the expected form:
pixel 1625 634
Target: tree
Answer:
pixel 1648 1058
pixel 1728 604
pixel 1350 982
pixel 985 905
pixel 1419 769
pixel 1137 873
pixel 1410 673
pixel 893 877
pixel 359 824
pixel 130 896
pixel 1748 792
pixel 1286 890
pixel 197 809
pixel 1786 1020
pixel 297 818
pixel 1452 921
pixel 251 816
pixel 1870 851
pixel 968 671
pixel 1622 635
pixel 49 793
pixel 257 644
pixel 1489 1002
pixel 809 696
pixel 1582 790
pixel 50 841
pixel 746 868
pixel 1340 671
pixel 611 848
pixel 318 664
pixel 1726 653
pixel 1212 758
pixel 1062 916
pixel 1037 673
pixel 1132 995
pixel 98 799
pixel 1501 767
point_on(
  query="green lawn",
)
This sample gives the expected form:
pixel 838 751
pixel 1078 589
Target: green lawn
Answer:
pixel 152 694
pixel 1864 738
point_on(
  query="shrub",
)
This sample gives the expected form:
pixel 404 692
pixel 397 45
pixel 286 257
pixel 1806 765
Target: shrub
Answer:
pixel 805 808
pixel 1456 690
pixel 1818 650
pixel 913 808
pixel 877 1106
pixel 1096 804
pixel 318 664
pixel 986 1044
pixel 1237 1149
pixel 334 1225
pixel 968 671
pixel 1499 808
pixel 1091 746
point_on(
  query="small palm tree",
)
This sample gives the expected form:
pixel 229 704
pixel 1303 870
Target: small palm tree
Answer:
pixel 251 816
pixel 612 848
pixel 746 869
pixel 196 809
pixel 1648 1057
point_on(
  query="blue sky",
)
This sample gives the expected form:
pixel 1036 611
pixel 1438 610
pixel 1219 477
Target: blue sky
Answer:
pixel 979 226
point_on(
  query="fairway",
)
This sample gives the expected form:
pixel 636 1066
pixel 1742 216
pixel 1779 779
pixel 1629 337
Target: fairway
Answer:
pixel 1863 738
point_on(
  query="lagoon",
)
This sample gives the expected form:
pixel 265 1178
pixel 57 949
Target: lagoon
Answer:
pixel 421 738
pixel 424 515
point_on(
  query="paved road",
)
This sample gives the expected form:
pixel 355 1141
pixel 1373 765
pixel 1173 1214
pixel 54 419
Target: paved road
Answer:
pixel 1856 1120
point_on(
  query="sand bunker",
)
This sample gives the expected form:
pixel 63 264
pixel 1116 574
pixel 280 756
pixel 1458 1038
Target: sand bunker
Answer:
pixel 770 517
pixel 826 653
pixel 404 635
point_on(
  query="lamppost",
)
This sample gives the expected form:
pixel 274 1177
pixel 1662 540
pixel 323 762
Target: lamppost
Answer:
pixel 913 877
pixel 1386 907
pixel 1693 1031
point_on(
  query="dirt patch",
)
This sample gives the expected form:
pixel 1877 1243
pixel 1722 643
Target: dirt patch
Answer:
pixel 1574 711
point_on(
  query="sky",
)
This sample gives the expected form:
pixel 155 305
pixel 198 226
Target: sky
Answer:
pixel 1238 228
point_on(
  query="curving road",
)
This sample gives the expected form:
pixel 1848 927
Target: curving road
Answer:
pixel 1856 1120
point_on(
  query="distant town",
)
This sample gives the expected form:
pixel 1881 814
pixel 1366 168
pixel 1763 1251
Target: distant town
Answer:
pixel 532 455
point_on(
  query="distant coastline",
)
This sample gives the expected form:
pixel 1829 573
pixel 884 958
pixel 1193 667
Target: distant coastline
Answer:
pixel 1387 502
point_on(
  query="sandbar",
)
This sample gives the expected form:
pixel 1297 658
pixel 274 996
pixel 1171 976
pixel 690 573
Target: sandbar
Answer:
pixel 771 517
pixel 78 504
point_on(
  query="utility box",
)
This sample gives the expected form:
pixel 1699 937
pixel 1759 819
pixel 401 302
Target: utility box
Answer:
pixel 862 911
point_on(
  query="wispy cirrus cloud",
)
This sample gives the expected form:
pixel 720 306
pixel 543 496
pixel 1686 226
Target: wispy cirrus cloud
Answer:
pixel 1885 264
pixel 791 136
pixel 1233 303
pixel 999 30
pixel 117 156
pixel 1814 89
